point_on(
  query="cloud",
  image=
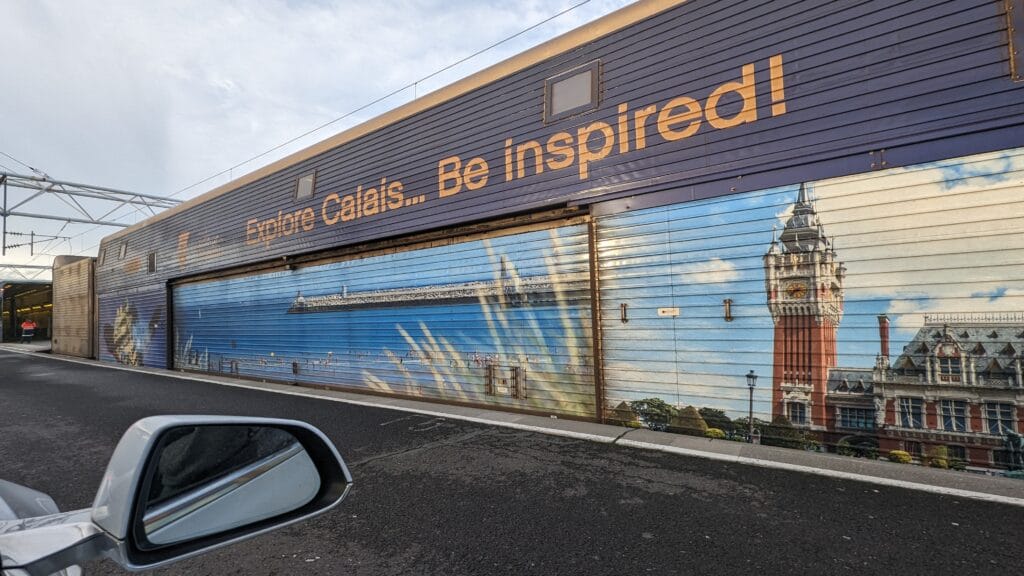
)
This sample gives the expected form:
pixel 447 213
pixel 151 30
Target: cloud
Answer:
pixel 710 271
pixel 1007 300
pixel 992 294
pixel 908 237
pixel 154 96
pixel 784 215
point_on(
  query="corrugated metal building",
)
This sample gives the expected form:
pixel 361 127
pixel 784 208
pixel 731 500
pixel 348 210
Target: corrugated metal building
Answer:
pixel 625 222
pixel 74 296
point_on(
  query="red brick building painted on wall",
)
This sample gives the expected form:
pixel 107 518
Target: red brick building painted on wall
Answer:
pixel 958 383
pixel 804 285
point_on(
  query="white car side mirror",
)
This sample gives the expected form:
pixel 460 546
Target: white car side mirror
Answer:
pixel 179 486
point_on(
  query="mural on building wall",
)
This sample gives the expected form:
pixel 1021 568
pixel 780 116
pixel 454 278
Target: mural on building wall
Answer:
pixel 504 320
pixel 881 313
pixel 130 335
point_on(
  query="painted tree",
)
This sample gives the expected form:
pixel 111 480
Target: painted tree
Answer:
pixel 716 418
pixel 688 421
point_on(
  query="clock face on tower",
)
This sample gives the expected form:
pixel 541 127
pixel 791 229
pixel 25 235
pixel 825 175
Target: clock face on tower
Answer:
pixel 796 290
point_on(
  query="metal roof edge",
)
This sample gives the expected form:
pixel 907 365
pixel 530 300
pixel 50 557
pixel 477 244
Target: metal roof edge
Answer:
pixel 559 45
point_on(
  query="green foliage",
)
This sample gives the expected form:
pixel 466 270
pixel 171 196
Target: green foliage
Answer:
pixel 651 407
pixel 624 414
pixel 900 456
pixel 739 432
pixel 716 418
pixel 781 433
pixel 957 464
pixel 654 412
pixel 858 448
pixel 688 421
pixel 716 433
pixel 937 457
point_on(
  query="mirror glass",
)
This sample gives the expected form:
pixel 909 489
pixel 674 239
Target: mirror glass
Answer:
pixel 209 479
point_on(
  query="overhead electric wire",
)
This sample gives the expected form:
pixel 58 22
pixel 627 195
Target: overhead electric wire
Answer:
pixel 365 106
pixel 378 100
pixel 385 96
pixel 2 153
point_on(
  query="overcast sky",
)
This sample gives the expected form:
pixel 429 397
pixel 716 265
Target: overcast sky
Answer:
pixel 154 96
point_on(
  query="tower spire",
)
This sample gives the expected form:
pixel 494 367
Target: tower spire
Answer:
pixel 804 197
pixel 803 231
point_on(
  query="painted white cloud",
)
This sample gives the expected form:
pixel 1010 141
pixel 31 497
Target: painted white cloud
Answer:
pixel 937 239
pixel 710 271
pixel 783 216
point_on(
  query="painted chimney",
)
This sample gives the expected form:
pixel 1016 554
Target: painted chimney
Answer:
pixel 883 335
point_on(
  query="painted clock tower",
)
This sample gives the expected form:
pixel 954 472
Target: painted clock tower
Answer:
pixel 804 285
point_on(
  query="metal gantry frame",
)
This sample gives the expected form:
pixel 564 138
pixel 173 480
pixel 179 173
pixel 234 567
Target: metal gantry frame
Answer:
pixel 88 205
pixel 70 194
pixel 19 271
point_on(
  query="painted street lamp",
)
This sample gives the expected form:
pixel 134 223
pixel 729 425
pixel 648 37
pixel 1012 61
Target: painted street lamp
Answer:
pixel 751 383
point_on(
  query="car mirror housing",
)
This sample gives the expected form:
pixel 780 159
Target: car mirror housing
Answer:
pixel 180 486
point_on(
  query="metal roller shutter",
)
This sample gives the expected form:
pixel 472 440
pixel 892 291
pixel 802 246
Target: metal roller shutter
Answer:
pixel 664 273
pixel 132 327
pixel 819 277
pixel 501 320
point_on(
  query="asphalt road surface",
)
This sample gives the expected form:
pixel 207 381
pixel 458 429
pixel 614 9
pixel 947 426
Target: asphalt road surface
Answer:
pixel 438 496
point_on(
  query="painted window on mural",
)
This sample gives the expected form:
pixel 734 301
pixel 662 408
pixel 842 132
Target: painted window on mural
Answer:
pixel 1001 458
pixel 999 417
pixel 797 413
pixel 949 368
pixel 857 418
pixel 911 413
pixel 856 297
pixel 915 449
pixel 957 452
pixel 954 415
